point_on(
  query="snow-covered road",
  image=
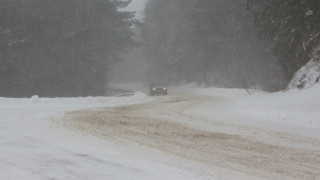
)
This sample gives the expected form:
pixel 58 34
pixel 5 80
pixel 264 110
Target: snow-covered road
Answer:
pixel 198 134
pixel 167 127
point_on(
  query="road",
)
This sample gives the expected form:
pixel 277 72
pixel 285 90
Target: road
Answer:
pixel 168 126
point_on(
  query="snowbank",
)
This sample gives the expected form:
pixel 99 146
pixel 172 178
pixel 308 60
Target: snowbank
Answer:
pixel 33 147
pixel 222 92
pixel 309 74
pixel 299 107
pixel 195 88
pixel 72 103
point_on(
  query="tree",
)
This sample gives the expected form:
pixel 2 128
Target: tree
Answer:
pixel 61 47
pixel 292 26
pixel 207 41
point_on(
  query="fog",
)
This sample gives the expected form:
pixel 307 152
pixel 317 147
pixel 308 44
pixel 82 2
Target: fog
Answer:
pixel 78 48
pixel 133 67
pixel 137 6
pixel 212 43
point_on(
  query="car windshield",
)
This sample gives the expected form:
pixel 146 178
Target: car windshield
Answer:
pixel 158 84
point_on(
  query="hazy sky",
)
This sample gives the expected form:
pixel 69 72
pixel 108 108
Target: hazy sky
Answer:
pixel 137 5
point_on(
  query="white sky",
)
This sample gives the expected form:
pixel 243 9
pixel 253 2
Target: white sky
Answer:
pixel 137 5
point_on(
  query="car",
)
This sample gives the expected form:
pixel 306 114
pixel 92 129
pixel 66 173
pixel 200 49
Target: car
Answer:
pixel 158 88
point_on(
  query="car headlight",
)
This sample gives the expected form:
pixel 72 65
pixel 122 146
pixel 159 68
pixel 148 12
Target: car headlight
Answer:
pixel 164 88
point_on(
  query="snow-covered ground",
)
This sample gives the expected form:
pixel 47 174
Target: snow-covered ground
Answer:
pixel 295 107
pixel 33 146
pixel 292 107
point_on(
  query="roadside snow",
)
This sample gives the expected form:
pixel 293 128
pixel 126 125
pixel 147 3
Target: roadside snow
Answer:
pixel 307 76
pixel 66 104
pixel 34 147
pixel 293 107
pixel 222 92
pixel 297 107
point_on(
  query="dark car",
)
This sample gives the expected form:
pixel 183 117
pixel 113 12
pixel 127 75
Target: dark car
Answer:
pixel 158 88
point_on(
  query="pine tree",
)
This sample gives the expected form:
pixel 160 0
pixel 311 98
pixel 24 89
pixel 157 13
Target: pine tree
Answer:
pixel 61 47
pixel 207 41
pixel 293 27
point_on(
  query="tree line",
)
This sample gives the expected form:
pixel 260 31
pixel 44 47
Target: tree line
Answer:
pixel 293 28
pixel 61 47
pixel 230 43
pixel 66 47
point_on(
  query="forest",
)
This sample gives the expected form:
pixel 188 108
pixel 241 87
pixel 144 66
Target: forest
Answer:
pixel 66 47
pixel 61 48
pixel 234 43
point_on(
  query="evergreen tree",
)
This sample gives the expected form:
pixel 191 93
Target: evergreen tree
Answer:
pixel 293 27
pixel 207 41
pixel 61 47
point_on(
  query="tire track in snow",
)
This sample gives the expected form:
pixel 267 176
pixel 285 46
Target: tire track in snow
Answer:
pixel 151 125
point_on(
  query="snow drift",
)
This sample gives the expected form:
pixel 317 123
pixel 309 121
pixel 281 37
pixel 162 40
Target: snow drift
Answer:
pixel 298 107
